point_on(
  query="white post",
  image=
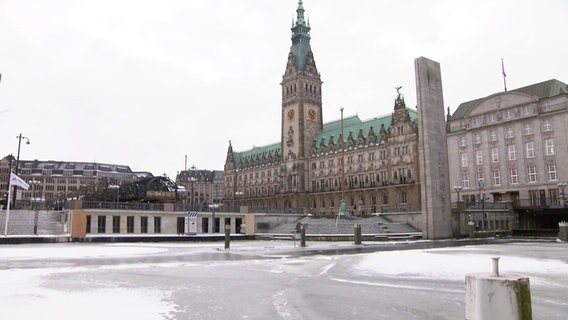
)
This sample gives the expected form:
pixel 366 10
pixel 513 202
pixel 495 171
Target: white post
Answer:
pixel 495 296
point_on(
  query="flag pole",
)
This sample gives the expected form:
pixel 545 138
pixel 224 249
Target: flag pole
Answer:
pixel 504 74
pixel 8 207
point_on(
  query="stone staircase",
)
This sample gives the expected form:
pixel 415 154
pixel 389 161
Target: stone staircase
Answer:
pixel 21 222
pixel 326 226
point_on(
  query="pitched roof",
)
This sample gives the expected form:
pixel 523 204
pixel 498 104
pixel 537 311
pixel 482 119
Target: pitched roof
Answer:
pixel 351 124
pixel 542 90
pixel 272 149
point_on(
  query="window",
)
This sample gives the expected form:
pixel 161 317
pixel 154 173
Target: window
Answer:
pixel 403 197
pixel 527 129
pixel 529 147
pixel 143 224
pixel 509 113
pixel 496 178
pixel 494 155
pixel 475 121
pixel 463 156
pixel 463 141
pixel 477 138
pixel 493 135
pixel 479 175
pixel 465 180
pixel 513 176
pixel 510 133
pixel 512 152
pixel 88 224
pixel 527 110
pixel 531 173
pixel 552 172
pixel 478 157
pixel 115 224
pixel 130 224
pixel 157 224
pixel 549 147
pixel 492 117
pixel 547 125
pixel 101 224
pixel 385 198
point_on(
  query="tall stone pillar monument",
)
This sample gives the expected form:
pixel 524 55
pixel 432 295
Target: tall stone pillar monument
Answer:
pixel 433 151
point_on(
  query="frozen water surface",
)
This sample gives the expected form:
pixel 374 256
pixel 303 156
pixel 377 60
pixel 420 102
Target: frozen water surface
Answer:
pixel 264 280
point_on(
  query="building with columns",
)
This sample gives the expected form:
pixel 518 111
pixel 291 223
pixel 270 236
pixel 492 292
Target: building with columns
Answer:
pixel 371 164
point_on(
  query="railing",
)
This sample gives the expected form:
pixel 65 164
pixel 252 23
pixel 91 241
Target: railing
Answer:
pixel 276 210
pixel 402 208
pixel 536 204
pixel 39 205
pixel 488 206
pixel 204 208
pixel 123 205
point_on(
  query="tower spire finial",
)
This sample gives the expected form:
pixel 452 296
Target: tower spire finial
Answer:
pixel 300 14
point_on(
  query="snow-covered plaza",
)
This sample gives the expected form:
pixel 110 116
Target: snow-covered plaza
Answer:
pixel 265 280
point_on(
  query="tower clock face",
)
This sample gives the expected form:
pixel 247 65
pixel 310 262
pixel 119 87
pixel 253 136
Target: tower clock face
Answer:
pixel 312 114
pixel 291 114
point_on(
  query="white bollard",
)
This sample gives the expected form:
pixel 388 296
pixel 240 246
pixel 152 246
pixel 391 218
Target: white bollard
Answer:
pixel 495 296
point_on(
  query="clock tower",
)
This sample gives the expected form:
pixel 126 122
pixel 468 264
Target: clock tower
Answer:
pixel 301 107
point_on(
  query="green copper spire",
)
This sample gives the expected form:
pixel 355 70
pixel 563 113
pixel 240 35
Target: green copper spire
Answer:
pixel 300 38
pixel 300 14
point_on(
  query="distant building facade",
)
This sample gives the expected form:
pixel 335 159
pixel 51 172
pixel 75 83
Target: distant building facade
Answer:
pixel 371 164
pixel 511 146
pixel 201 186
pixel 61 179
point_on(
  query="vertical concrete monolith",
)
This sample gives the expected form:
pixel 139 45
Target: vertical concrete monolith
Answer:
pixel 471 229
pixel 303 235
pixel 227 236
pixel 357 233
pixel 496 296
pixel 563 231
pixel 433 151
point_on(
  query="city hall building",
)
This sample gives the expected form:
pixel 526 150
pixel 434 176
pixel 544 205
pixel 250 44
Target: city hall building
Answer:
pixel 371 164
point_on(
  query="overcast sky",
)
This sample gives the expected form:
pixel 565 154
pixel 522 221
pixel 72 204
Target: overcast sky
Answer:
pixel 143 83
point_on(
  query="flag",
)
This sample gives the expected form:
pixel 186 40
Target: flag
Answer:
pixel 17 181
pixel 503 68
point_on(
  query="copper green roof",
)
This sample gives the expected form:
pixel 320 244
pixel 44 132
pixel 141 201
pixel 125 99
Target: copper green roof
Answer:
pixel 272 153
pixel 540 90
pixel 353 125
pixel 300 39
pixel 257 154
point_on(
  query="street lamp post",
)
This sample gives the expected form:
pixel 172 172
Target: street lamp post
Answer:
pixel 192 179
pixel 458 189
pixel 35 184
pixel 213 207
pixel 342 205
pixel 562 186
pixel 481 185
pixel 117 188
pixel 239 194
pixel 19 137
